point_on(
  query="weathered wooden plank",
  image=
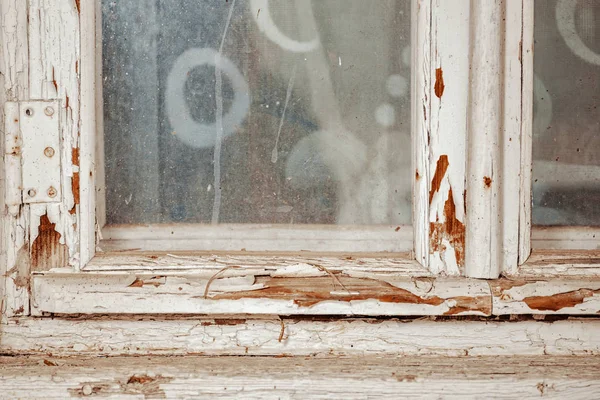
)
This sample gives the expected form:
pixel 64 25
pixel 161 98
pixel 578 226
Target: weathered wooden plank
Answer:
pixel 14 86
pixel 235 237
pixel 441 73
pixel 420 125
pixel 546 296
pixel 259 378
pixel 483 237
pixel 162 377
pixel 211 262
pixel 294 290
pixel 526 133
pixel 563 263
pixel 271 336
pixel 87 13
pixel 54 51
pixel 510 139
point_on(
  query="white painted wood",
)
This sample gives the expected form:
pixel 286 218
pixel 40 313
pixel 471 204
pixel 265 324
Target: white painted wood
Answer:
pixel 14 76
pixel 546 296
pixel 12 159
pixel 440 102
pixel 561 263
pixel 449 74
pixel 526 133
pixel 310 378
pixel 420 124
pixel 54 63
pixel 179 336
pixel 565 237
pixel 483 237
pixel 510 160
pixel 87 210
pixel 294 290
pixel 210 263
pixel 100 181
pixel 235 237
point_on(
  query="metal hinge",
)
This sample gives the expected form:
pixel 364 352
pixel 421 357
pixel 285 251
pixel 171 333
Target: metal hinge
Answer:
pixel 32 153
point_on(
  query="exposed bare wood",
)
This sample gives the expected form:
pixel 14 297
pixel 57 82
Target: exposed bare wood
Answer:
pixel 177 335
pixel 295 290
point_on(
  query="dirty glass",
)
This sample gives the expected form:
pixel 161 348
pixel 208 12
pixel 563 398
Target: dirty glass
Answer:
pixel 566 187
pixel 258 111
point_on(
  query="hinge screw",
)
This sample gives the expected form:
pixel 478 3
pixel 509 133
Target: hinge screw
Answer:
pixel 52 192
pixel 49 152
pixel 31 192
pixel 49 111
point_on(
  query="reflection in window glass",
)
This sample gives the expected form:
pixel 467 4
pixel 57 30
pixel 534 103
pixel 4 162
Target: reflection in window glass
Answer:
pixel 258 111
pixel 566 184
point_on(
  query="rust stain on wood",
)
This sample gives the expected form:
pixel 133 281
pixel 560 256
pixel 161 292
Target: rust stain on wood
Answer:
pixel 417 176
pixel 439 83
pixel 440 172
pixel 47 252
pixel 559 301
pixel 78 6
pixel 487 181
pixel 451 230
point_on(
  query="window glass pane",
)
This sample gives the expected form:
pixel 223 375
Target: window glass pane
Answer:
pixel 257 111
pixel 566 184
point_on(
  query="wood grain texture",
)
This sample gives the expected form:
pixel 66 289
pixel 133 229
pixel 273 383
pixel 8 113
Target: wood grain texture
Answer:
pixel 14 79
pixel 202 377
pixel 293 290
pixel 54 56
pixel 241 335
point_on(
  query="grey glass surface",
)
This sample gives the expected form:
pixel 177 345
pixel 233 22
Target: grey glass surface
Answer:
pixel 306 120
pixel 566 115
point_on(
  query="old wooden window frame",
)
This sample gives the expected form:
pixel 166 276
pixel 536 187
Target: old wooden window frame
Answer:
pixel 472 90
